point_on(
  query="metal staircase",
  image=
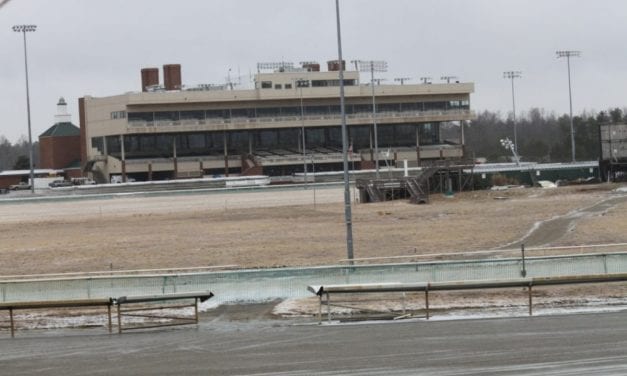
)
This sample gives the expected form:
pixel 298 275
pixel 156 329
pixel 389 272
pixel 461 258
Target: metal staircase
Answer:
pixel 418 186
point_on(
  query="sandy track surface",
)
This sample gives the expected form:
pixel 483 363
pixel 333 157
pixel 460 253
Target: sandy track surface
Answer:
pixel 283 227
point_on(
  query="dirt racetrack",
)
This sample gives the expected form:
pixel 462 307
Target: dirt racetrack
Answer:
pixel 281 227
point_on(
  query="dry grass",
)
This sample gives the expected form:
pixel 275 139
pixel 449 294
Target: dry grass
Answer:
pixel 259 230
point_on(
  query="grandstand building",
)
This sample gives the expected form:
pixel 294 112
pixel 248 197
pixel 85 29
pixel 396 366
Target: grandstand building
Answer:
pixel 168 132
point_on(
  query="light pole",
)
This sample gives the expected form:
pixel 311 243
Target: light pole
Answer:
pixel 512 75
pixel 301 83
pixel 568 55
pixel 372 66
pixel 347 193
pixel 24 29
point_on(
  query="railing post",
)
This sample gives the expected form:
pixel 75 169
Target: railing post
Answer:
pixel 328 308
pixel 320 309
pixel 119 318
pixel 196 310
pixel 523 272
pixel 530 300
pixel 427 302
pixel 12 323
pixel 109 314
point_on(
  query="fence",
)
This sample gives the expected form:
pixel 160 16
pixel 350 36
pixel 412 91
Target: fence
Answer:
pixel 269 284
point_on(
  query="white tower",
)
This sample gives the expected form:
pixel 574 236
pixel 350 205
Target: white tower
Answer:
pixel 62 115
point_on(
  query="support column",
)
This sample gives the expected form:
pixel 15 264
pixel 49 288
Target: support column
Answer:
pixel 418 144
pixel 123 158
pixel 226 155
pixel 150 171
pixel 176 165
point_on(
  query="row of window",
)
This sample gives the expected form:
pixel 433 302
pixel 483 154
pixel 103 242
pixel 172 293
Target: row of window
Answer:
pixel 306 83
pixel 262 112
pixel 237 142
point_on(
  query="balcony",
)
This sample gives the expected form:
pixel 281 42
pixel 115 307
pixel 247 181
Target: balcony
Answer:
pixel 242 123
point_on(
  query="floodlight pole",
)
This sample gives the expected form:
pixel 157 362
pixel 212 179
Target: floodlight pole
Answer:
pixel 347 193
pixel 372 66
pixel 24 29
pixel 512 75
pixel 374 122
pixel 567 55
pixel 301 82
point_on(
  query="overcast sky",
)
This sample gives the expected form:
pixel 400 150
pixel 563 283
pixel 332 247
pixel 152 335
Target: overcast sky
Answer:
pixel 98 47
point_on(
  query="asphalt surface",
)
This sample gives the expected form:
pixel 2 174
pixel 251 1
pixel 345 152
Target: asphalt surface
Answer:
pixel 592 344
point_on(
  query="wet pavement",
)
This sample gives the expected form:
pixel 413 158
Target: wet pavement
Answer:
pixel 237 342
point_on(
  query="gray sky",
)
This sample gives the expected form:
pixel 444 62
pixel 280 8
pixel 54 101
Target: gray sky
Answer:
pixel 98 47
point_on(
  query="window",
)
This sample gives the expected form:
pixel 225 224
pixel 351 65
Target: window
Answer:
pixel 192 115
pixel 278 86
pixel 98 144
pixel 266 84
pixel 288 86
pixel 118 115
pixel 166 116
pixel 140 117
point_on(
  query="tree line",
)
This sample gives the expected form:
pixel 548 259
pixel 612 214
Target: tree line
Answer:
pixel 542 137
pixel 15 156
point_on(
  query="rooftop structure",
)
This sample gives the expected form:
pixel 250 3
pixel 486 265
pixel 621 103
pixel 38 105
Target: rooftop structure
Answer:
pixel 167 132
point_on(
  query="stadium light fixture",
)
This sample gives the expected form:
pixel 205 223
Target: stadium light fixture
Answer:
pixel 448 78
pixel 402 79
pixel 509 145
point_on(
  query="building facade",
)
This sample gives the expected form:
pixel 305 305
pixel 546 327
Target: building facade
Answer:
pixel 59 145
pixel 290 121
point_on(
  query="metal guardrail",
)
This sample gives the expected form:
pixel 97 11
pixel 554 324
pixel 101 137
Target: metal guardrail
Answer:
pixel 498 252
pixel 145 312
pixel 426 287
pixel 198 296
pixel 255 285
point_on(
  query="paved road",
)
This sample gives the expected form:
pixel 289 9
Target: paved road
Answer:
pixel 555 345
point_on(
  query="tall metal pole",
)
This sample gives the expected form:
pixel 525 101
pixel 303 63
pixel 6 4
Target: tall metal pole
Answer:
pixel 374 122
pixel 300 83
pixel 512 75
pixel 347 193
pixel 373 66
pixel 23 29
pixel 570 111
pixel 567 55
